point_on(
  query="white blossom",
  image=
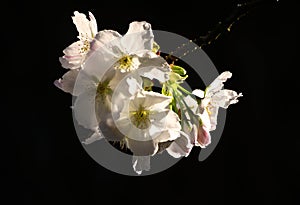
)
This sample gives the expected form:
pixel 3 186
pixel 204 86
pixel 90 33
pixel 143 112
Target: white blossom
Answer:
pixel 214 97
pixel 75 54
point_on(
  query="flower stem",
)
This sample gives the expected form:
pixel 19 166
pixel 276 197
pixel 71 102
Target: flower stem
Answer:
pixel 184 90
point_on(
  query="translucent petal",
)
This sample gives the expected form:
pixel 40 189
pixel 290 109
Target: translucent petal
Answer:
pixel 139 38
pixel 181 146
pixel 141 163
pixel 199 93
pixel 224 98
pixel 203 138
pixel 67 82
pixel 104 39
pixel 82 24
pixel 84 110
pixel 218 83
pixel 97 135
pixel 93 25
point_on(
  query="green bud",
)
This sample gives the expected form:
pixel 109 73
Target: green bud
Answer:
pixel 178 69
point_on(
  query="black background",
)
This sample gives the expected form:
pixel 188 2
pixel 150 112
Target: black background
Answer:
pixel 256 160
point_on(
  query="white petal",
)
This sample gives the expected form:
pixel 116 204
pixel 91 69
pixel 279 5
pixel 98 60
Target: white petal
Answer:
pixel 207 119
pixel 67 82
pixel 109 130
pixel 199 93
pixel 73 49
pixel 168 135
pixel 224 98
pixel 161 122
pixel 191 103
pixel 84 82
pixel 134 85
pixel 150 59
pixel 139 38
pixel 123 88
pixel 135 64
pixel 173 122
pixel 170 128
pixel 182 146
pixel 124 125
pixel 99 64
pixel 155 130
pixel 97 135
pixel 66 64
pixel 141 148
pixel 154 68
pixel 203 138
pixel 217 84
pixel 213 116
pixel 118 80
pixel 82 24
pixel 104 39
pixel 156 101
pixel 93 25
pixel 137 100
pixel 141 163
pixel 84 109
pixel 136 27
pixel 72 59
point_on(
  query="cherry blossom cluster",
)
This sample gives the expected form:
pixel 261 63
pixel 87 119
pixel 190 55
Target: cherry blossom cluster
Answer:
pixel 112 77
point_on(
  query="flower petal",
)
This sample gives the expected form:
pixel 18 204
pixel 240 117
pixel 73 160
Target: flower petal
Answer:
pixel 67 82
pixel 116 80
pixel 84 82
pixel 199 93
pixel 141 163
pixel 167 129
pixel 206 118
pixel 182 146
pixel 155 101
pixel 104 39
pixel 191 103
pixel 217 84
pixel 109 130
pixel 97 135
pixel 138 26
pixel 224 98
pixel 84 109
pixel 93 25
pixel 213 116
pixel 203 138
pixel 141 148
pixel 73 58
pixel 139 38
pixel 154 68
pixel 82 24
pixel 99 64
pixel 124 87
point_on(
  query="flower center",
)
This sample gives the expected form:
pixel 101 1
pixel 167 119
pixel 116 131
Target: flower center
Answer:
pixel 208 109
pixel 85 47
pixel 103 90
pixel 140 118
pixel 125 63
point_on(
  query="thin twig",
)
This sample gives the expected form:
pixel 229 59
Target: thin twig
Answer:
pixel 240 10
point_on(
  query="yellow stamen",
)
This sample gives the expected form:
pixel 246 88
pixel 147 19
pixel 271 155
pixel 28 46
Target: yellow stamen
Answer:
pixel 103 89
pixel 125 63
pixel 85 47
pixel 86 44
pixel 140 118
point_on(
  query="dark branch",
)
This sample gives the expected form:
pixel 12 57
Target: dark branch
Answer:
pixel 224 26
pixel 240 11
